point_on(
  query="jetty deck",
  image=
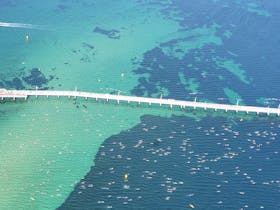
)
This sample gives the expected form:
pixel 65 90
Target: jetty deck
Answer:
pixel 24 94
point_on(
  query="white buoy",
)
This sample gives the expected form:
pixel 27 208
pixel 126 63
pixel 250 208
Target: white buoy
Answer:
pixel 27 38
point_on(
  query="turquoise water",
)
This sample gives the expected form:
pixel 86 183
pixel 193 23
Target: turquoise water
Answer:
pixel 216 51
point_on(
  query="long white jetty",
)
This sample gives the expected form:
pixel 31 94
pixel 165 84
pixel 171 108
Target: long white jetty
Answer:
pixel 24 94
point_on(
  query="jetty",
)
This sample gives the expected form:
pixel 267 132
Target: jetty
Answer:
pixel 25 94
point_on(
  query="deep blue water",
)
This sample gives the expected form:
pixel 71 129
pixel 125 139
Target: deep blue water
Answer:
pixel 214 164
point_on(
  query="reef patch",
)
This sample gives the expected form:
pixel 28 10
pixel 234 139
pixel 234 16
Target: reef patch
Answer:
pixel 112 34
pixel 34 78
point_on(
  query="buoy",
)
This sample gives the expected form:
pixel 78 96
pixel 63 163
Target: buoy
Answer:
pixel 191 206
pixel 241 119
pixel 27 38
pixel 125 177
pixel 122 75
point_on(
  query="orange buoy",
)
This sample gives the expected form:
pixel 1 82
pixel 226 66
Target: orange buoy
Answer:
pixel 125 177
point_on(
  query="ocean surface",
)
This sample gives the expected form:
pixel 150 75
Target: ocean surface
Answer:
pixel 78 154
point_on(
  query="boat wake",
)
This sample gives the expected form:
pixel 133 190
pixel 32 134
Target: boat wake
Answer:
pixel 20 25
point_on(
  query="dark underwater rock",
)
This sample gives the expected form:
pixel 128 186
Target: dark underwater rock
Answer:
pixel 36 78
pixel 15 83
pixel 112 34
pixel 7 3
pixel 2 85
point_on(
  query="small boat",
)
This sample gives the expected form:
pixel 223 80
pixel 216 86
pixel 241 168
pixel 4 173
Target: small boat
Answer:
pixel 191 206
